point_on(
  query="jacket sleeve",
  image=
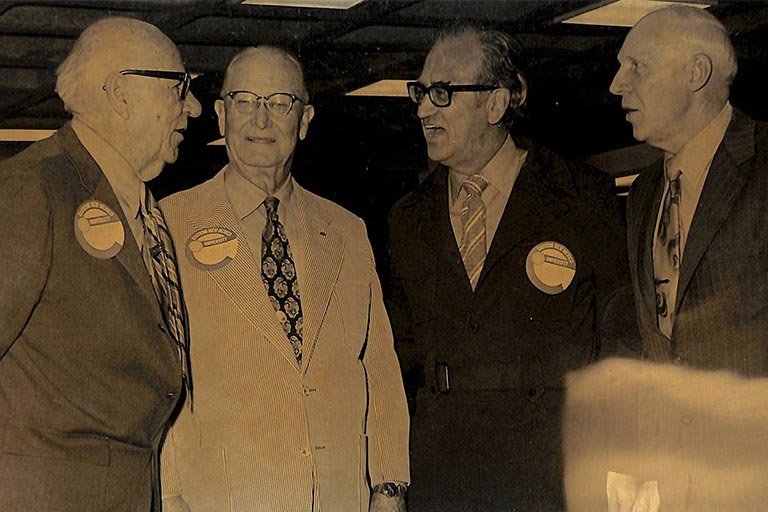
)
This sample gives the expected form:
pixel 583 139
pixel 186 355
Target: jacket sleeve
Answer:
pixel 25 253
pixel 387 421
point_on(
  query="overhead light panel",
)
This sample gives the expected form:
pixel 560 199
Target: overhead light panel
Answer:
pixel 620 13
pixel 9 135
pixel 313 4
pixel 388 88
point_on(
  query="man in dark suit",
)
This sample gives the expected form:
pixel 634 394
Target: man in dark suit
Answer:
pixel 707 308
pixel 500 265
pixel 90 367
pixel 670 432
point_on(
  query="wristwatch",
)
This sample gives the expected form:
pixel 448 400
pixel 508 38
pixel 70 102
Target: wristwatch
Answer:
pixel 391 489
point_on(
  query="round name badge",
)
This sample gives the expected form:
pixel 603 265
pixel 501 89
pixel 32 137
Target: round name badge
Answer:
pixel 550 267
pixel 211 248
pixel 99 230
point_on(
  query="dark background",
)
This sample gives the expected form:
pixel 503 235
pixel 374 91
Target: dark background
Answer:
pixel 364 153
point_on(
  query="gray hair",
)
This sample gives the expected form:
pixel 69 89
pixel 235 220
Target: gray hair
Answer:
pixel 500 63
pixel 255 50
pixel 101 48
pixel 703 32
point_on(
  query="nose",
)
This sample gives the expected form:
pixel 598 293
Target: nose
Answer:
pixel 192 106
pixel 261 114
pixel 619 84
pixel 426 107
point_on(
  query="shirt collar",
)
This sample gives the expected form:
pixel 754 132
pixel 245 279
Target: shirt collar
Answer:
pixel 501 171
pixel 247 197
pixel 696 156
pixel 125 183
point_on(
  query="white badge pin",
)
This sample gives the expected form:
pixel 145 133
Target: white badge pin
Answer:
pixel 550 267
pixel 99 230
pixel 211 248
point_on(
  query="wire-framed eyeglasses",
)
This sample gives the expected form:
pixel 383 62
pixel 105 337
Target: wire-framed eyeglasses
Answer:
pixel 440 93
pixel 279 103
pixel 184 78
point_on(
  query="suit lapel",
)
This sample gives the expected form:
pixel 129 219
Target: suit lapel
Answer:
pixel 98 187
pixel 436 232
pixel 240 279
pixel 727 177
pixel 323 251
pixel 649 197
pixel 531 206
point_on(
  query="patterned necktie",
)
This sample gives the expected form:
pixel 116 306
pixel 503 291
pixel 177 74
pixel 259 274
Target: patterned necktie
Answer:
pixel 473 215
pixel 667 253
pixel 278 273
pixel 160 258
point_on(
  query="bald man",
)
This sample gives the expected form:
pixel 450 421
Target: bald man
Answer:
pixel 299 404
pixel 91 339
pixel 685 429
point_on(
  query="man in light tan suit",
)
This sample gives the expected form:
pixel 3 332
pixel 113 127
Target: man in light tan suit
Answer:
pixel 299 403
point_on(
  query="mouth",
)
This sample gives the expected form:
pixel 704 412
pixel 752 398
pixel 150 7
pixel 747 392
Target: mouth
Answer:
pixel 260 140
pixel 432 130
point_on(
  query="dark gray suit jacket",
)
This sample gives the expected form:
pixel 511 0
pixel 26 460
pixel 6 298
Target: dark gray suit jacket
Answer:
pixel 88 378
pixel 722 298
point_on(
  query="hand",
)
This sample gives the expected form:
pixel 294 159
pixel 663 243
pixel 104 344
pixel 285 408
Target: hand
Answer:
pixel 175 504
pixel 382 503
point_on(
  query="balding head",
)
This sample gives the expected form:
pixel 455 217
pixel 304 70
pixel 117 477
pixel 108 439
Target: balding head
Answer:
pixel 691 31
pixel 109 45
pixel 271 56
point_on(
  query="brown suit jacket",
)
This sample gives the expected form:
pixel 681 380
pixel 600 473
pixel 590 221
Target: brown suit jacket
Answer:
pixel 88 377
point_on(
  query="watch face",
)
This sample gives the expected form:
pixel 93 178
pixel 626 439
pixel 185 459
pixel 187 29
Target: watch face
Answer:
pixel 390 489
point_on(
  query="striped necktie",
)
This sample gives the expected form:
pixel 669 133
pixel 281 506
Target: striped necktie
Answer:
pixel 160 259
pixel 473 217
pixel 278 273
pixel 667 253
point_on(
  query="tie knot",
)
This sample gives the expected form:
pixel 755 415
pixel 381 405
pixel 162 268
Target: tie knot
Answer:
pixel 474 185
pixel 270 203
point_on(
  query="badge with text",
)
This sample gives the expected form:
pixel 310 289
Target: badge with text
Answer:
pixel 211 248
pixel 550 267
pixel 99 230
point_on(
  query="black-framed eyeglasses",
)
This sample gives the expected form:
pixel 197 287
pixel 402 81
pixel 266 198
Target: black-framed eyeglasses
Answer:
pixel 184 78
pixel 440 93
pixel 279 103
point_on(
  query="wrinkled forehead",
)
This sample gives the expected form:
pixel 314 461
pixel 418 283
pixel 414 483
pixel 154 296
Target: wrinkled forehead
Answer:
pixel 264 73
pixel 454 60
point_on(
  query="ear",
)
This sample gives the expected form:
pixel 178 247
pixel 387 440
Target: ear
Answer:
pixel 221 114
pixel 117 94
pixel 498 102
pixel 701 71
pixel 306 118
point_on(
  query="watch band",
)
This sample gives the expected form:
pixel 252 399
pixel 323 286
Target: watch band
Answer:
pixel 391 489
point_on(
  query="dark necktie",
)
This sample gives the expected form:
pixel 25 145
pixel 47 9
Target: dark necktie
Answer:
pixel 161 261
pixel 667 253
pixel 473 216
pixel 278 273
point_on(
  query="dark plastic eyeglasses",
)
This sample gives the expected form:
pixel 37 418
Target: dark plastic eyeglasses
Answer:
pixel 440 94
pixel 184 78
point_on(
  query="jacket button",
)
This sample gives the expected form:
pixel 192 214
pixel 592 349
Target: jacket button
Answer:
pixel 474 326
pixel 306 391
pixel 170 395
pixel 304 452
pixel 677 361
pixel 161 327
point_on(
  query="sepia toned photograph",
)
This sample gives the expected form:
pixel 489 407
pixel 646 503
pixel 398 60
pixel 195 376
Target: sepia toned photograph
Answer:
pixel 383 255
